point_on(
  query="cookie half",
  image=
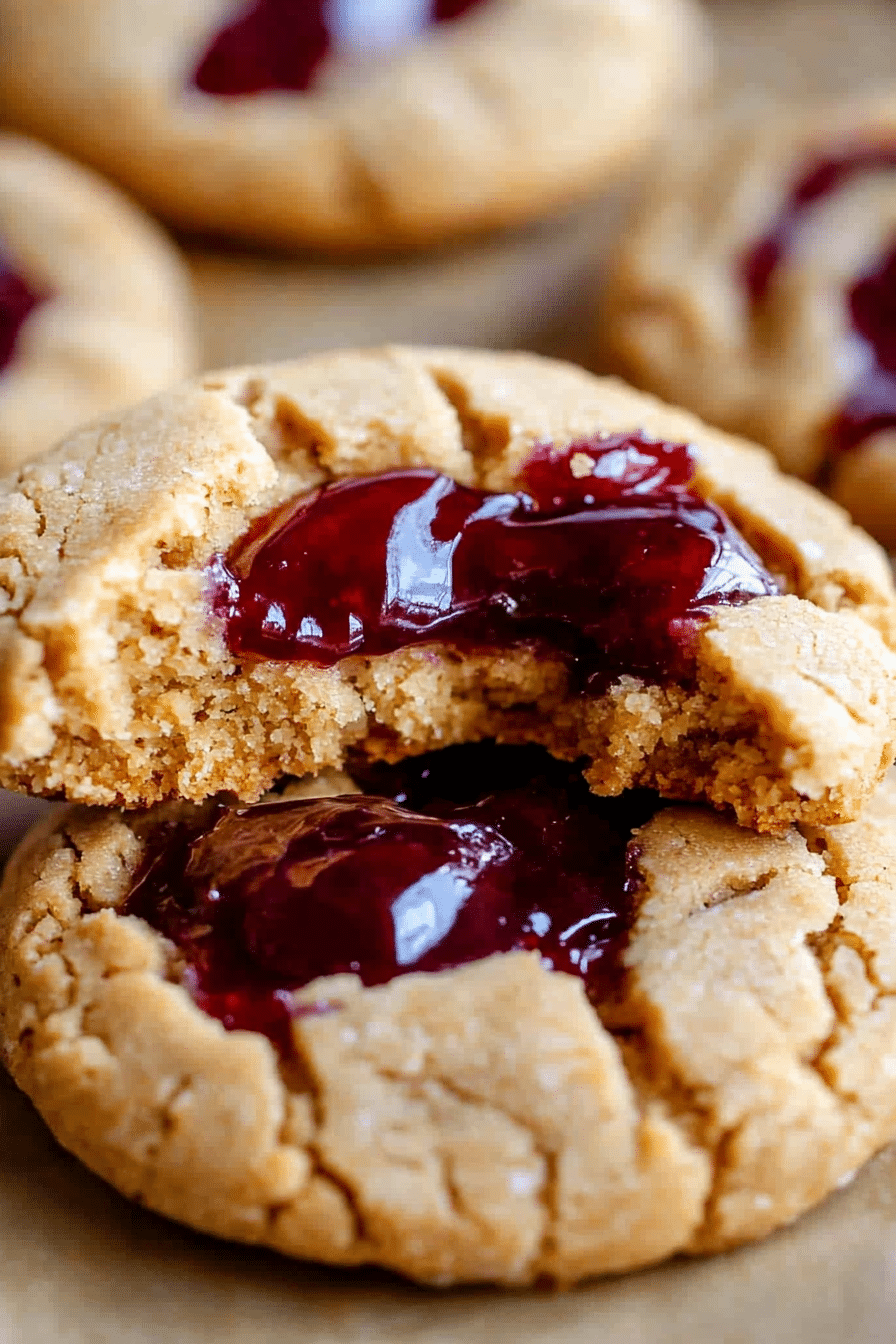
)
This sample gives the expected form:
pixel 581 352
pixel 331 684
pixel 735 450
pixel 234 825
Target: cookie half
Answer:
pixel 95 309
pixel 627 618
pixel 347 124
pixel 756 287
pixel 714 1055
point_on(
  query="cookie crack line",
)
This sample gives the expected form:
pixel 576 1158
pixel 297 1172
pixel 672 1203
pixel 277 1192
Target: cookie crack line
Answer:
pixel 733 889
pixel 323 1168
pixel 658 1082
pixel 537 1267
pixel 251 399
pixel 722 1165
pixel 841 1025
pixel 838 700
pixel 549 1157
pixel 167 1113
pixel 485 438
pixel 844 884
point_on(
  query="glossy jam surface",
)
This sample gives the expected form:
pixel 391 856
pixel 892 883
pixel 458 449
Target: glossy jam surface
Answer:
pixel 466 852
pixel 17 302
pixel 607 560
pixel 281 44
pixel 871 404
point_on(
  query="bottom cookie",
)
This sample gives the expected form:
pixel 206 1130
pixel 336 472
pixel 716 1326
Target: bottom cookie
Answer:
pixel 330 1026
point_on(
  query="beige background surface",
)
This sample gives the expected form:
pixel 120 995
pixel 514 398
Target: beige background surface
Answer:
pixel 80 1265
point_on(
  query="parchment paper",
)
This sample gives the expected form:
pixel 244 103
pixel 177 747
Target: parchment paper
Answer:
pixel 78 1264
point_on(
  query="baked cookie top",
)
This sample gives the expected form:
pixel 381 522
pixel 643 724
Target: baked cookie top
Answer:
pixel 392 124
pixel 757 287
pixel 127 676
pixel 498 1121
pixel 94 300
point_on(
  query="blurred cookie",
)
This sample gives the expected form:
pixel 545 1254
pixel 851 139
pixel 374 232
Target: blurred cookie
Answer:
pixel 349 124
pixel 94 303
pixel 758 287
pixel 313 1024
pixel 393 550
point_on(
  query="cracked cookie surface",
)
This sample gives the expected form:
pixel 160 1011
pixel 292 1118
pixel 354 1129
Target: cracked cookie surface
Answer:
pixel 485 1123
pixel 755 285
pixel 117 686
pixel 514 109
pixel 110 321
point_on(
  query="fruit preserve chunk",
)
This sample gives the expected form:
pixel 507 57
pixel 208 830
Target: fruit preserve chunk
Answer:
pixel 871 404
pixel 466 852
pixel 607 559
pixel 17 302
pixel 280 44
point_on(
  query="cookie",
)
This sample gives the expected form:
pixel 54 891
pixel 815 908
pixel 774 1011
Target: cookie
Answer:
pixel 708 1059
pixel 257 572
pixel 755 287
pixel 350 125
pixel 94 300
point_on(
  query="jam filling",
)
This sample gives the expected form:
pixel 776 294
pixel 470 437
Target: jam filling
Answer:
pixel 465 853
pixel 281 44
pixel 871 404
pixel 17 302
pixel 606 559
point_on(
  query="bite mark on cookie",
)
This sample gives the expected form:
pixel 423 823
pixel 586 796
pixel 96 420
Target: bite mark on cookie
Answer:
pixel 117 688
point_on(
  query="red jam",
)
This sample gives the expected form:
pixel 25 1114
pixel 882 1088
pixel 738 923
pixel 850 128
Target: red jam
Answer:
pixel 17 302
pixel 280 44
pixel 871 404
pixel 467 852
pixel 607 560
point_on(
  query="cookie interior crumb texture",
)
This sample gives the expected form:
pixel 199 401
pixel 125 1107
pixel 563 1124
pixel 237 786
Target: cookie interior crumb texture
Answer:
pixel 117 686
pixel 114 323
pixel 515 109
pixel 481 1124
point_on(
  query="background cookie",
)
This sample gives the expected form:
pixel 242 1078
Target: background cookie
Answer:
pixel 94 302
pixel 516 106
pixel 757 287
pixel 120 683
pixel 481 1123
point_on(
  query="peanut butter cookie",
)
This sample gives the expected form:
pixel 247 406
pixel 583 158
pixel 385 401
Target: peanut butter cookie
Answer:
pixel 400 549
pixel 758 288
pixel 94 301
pixel 348 124
pixel 362 1030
